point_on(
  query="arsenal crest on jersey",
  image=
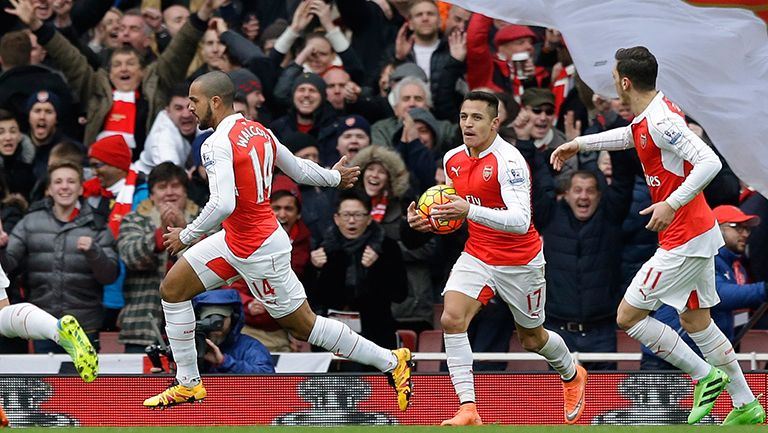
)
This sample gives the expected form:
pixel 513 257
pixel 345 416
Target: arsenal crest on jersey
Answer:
pixel 643 139
pixel 487 172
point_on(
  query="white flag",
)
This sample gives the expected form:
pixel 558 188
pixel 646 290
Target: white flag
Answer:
pixel 713 62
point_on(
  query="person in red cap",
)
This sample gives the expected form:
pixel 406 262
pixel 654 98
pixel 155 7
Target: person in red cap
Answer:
pixel 484 69
pixel 110 160
pixel 731 277
pixel 111 193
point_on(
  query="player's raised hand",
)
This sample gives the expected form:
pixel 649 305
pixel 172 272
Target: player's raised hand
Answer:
pixel 172 240
pixel 349 175
pixel 456 209
pixel 662 217
pixel 563 153
pixel 416 221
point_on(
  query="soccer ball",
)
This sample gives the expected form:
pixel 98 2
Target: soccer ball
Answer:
pixel 434 196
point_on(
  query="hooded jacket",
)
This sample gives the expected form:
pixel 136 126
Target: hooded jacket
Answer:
pixel 398 181
pixel 242 354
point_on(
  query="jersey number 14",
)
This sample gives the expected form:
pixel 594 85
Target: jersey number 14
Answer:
pixel 262 170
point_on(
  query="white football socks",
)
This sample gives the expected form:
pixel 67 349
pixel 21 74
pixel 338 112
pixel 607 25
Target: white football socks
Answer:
pixel 180 328
pixel 337 337
pixel 459 354
pixel 558 356
pixel 665 343
pixel 718 351
pixel 28 321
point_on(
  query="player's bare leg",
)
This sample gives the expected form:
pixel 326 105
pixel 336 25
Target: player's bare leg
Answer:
pixel 717 350
pixel 458 312
pixel 177 289
pixel 665 343
pixel 338 338
pixel 551 346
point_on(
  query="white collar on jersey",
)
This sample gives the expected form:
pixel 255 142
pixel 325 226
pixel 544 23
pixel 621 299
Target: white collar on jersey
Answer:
pixel 653 102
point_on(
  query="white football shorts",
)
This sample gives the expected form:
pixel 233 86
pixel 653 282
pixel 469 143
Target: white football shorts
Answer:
pixel 522 287
pixel 267 271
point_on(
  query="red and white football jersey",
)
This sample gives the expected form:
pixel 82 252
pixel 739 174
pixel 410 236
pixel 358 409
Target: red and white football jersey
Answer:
pixel 240 158
pixel 677 165
pixel 497 186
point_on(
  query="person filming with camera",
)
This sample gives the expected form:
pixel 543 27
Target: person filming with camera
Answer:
pixel 220 345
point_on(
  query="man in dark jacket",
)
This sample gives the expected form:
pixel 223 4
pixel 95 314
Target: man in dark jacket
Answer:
pixel 426 46
pixel 582 238
pixel 228 351
pixel 359 271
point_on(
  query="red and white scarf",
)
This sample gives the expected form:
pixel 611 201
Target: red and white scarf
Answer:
pixel 120 204
pixel 123 201
pixel 379 207
pixel 562 85
pixel 121 119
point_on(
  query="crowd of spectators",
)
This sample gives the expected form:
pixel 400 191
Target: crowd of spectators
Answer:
pixel 99 154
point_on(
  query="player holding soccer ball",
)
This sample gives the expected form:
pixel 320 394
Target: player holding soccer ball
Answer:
pixel 502 255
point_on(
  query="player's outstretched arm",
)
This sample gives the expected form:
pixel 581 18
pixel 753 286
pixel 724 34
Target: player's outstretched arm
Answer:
pixel 305 171
pixel 613 139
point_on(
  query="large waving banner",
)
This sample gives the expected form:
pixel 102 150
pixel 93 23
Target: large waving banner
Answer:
pixel 713 62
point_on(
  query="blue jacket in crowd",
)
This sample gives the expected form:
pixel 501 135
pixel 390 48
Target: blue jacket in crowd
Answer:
pixel 242 354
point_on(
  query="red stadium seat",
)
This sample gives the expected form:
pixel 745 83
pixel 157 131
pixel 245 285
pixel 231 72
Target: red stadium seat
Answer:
pixel 755 340
pixel 109 343
pixel 627 344
pixel 430 340
pixel 407 338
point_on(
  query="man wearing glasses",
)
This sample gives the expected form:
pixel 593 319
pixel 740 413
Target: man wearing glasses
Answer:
pixel 538 106
pixel 358 272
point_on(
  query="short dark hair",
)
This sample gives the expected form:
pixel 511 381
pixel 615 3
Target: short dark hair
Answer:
pixel 166 172
pixel 126 49
pixel 488 98
pixel 179 89
pixel 15 49
pixel 64 164
pixel 582 173
pixel 639 65
pixel 509 103
pixel 217 83
pixel 7 115
pixel 277 195
pixel 354 194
